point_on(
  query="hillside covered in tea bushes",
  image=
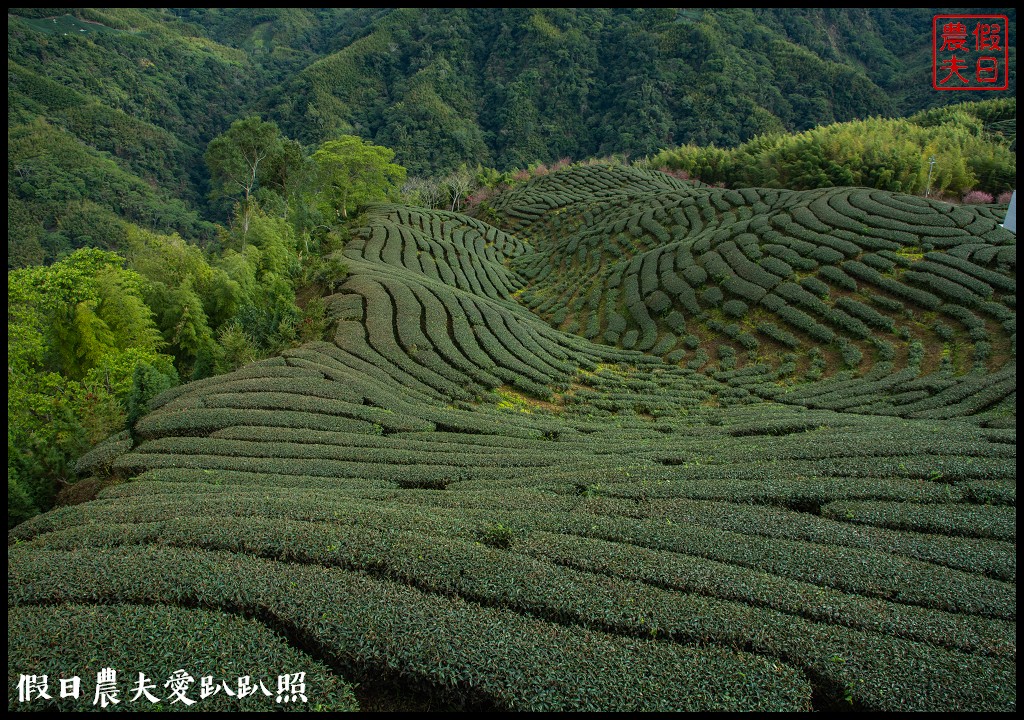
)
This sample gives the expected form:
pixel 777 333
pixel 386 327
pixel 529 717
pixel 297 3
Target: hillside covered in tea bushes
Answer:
pixel 867 288
pixel 739 435
pixel 619 442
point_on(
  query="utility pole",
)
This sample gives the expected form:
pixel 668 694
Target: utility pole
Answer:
pixel 931 164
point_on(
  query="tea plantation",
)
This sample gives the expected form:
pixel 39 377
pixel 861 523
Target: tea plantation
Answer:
pixel 634 444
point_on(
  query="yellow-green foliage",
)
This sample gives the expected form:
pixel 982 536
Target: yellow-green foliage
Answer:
pixel 78 334
pixel 888 154
pixel 511 400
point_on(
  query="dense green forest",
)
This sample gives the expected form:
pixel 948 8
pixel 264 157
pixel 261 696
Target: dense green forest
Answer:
pixel 94 336
pixel 512 86
pixel 501 88
pixel 973 144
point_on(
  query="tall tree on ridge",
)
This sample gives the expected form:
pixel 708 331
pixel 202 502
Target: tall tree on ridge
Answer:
pixel 355 172
pixel 234 158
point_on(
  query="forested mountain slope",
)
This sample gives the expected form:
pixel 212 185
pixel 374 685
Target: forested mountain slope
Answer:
pixel 507 87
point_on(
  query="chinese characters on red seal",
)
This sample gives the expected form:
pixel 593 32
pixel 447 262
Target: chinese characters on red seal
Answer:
pixel 970 52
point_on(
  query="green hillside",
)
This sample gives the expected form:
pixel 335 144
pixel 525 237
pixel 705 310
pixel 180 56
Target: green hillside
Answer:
pixel 723 421
pixel 764 287
pixel 973 145
pixel 512 86
pixel 455 504
pixel 113 111
pixel 122 102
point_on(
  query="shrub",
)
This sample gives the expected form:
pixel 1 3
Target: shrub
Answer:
pixel 866 313
pixel 496 535
pixel 712 296
pixel 982 351
pixel 878 262
pixel 838 277
pixel 726 357
pixel 676 321
pixel 851 354
pixel 658 302
pixel 778 334
pixel 744 289
pixel 886 350
pixel 814 285
pixel 734 308
pixel 695 275
pixel 977 197
pixel 943 331
pixel 699 359
pixel 776 266
pixel 748 341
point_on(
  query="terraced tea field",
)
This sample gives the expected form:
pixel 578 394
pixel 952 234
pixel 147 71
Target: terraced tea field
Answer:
pixel 636 445
pixel 762 287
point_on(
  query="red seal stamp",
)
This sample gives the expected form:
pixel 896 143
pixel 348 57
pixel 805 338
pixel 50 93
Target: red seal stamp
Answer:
pixel 970 52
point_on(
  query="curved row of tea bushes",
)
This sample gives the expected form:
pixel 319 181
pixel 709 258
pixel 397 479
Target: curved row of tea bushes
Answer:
pixel 480 573
pixel 506 659
pixel 983 521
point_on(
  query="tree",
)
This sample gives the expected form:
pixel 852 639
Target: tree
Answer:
pixel 147 381
pixel 458 184
pixel 424 191
pixel 188 331
pixel 65 317
pixel 77 332
pixel 236 156
pixel 354 172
